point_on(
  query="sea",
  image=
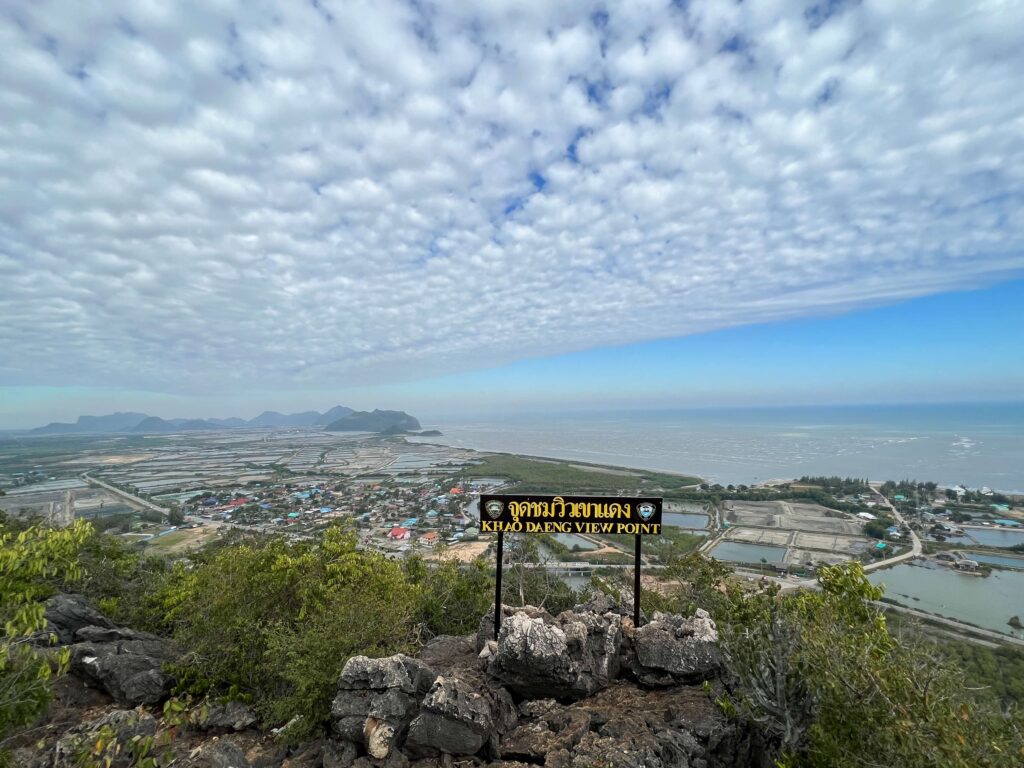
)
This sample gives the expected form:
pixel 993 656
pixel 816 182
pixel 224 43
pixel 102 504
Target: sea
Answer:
pixel 977 445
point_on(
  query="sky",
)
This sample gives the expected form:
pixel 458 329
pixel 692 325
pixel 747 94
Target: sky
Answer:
pixel 212 208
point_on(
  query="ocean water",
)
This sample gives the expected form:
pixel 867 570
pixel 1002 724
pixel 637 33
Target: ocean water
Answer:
pixel 974 444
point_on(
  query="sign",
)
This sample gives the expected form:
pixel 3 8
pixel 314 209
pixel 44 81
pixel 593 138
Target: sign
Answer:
pixel 591 515
pixel 586 515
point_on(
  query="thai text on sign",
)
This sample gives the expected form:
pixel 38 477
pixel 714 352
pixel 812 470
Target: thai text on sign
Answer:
pixel 570 514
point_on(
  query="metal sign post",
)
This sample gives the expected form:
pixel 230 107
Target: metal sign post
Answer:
pixel 591 515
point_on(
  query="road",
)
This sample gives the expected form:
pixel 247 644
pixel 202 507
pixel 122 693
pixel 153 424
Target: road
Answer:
pixel 915 548
pixel 130 498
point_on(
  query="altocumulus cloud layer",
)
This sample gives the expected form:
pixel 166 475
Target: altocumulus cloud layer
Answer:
pixel 203 194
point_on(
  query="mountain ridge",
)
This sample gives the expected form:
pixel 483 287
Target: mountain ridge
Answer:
pixel 133 422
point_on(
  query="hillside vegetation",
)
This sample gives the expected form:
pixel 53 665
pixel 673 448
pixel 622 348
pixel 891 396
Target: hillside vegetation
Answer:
pixel 272 622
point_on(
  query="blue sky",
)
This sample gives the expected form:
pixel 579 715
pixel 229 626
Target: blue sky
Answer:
pixel 952 347
pixel 211 208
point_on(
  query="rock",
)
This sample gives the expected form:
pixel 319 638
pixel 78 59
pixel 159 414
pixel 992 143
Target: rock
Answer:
pixel 218 753
pixel 547 727
pixel 571 656
pixel 453 719
pixel 377 699
pixel 339 754
pixel 398 672
pixel 485 630
pixel 124 724
pixel 66 614
pixel 126 664
pixel 672 649
pixel 229 716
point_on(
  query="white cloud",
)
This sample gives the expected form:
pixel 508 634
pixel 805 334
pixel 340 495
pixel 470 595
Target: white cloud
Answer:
pixel 202 195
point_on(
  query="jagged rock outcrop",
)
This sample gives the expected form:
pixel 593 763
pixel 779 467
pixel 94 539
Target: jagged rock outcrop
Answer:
pixel 575 710
pixel 378 699
pixel 66 614
pixel 570 656
pixel 673 649
pixel 453 718
pixel 580 689
pixel 127 664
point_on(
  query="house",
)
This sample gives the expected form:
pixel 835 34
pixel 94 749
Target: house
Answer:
pixel 866 516
pixel 429 538
pixel 398 533
pixel 966 565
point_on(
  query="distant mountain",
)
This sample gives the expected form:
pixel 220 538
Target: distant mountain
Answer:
pixel 114 422
pixel 140 422
pixel 234 421
pixel 375 421
pixel 333 414
pixel 275 419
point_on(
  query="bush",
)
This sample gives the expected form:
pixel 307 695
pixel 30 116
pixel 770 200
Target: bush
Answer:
pixel 274 622
pixel 32 561
pixel 820 674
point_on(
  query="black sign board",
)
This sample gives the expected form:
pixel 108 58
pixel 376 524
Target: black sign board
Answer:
pixel 588 515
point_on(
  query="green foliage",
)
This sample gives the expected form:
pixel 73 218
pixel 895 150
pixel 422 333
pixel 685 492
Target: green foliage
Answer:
pixel 993 672
pixel 31 561
pixel 453 596
pixel 822 676
pixel 274 622
pixel 526 584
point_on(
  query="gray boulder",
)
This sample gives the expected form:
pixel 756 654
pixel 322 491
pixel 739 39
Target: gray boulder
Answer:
pixel 568 657
pixel 124 724
pixel 674 649
pixel 546 728
pixel 66 614
pixel 377 699
pixel 228 716
pixel 453 718
pixel 126 664
pixel 218 753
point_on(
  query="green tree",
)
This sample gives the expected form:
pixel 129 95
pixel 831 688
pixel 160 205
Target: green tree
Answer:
pixel 822 676
pixel 31 561
pixel 274 622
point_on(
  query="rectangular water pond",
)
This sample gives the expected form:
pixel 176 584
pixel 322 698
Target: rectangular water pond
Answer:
pixel 990 537
pixel 741 552
pixel 1007 561
pixel 684 519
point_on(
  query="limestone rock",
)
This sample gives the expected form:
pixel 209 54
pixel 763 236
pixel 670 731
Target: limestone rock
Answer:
pixel 672 649
pixel 547 727
pixel 218 753
pixel 126 664
pixel 66 614
pixel 228 716
pixel 569 657
pixel 453 718
pixel 377 699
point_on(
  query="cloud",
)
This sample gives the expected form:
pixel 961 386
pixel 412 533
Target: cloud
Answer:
pixel 201 195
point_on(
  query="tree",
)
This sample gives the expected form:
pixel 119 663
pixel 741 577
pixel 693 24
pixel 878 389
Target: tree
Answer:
pixel 31 561
pixel 826 682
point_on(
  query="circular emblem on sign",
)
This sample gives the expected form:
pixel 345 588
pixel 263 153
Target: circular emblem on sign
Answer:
pixel 646 511
pixel 494 508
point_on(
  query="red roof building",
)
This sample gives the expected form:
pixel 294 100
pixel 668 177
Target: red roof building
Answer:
pixel 398 533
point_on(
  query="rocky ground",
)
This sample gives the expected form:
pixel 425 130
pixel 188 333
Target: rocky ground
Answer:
pixel 581 689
